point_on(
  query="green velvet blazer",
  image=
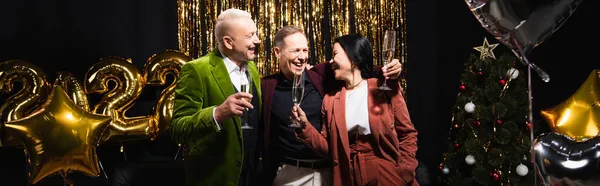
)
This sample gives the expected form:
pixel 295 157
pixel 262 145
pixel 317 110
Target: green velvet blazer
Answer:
pixel 214 157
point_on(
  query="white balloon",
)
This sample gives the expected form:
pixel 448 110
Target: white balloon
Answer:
pixel 470 107
pixel 522 170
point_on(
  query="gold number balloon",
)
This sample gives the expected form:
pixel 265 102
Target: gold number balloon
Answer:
pixel 155 72
pixel 34 91
pixel 73 88
pixel 116 101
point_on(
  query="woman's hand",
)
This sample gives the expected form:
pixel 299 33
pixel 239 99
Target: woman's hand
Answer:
pixel 392 70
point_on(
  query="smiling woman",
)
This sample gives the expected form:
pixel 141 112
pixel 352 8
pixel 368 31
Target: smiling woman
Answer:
pixel 357 120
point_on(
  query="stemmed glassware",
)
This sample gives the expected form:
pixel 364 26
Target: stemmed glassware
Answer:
pixel 297 94
pixel 245 87
pixel 387 53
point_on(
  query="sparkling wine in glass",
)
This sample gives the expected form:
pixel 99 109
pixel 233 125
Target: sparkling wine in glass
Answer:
pixel 245 87
pixel 387 53
pixel 297 95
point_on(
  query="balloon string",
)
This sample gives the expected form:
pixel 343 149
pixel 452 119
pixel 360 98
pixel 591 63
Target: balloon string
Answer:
pixel 177 154
pixel 122 149
pixel 27 166
pixel 523 58
pixel 102 168
pixel 531 132
pixel 65 180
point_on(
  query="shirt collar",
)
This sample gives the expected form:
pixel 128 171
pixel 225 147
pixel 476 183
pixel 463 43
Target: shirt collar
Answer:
pixel 231 67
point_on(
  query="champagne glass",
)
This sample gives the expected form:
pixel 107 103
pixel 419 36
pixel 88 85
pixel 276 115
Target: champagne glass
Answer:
pixel 245 87
pixel 387 53
pixel 297 95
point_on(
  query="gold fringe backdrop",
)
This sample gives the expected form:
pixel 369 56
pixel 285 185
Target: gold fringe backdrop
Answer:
pixel 322 20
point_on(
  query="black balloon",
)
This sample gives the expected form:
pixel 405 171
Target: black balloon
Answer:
pixel 562 161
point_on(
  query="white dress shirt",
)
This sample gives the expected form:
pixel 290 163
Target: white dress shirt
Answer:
pixel 357 109
pixel 237 76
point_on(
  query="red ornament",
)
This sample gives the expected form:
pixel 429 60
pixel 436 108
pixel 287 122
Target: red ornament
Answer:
pixel 476 123
pixel 528 125
pixel 502 82
pixel 495 176
pixel 479 73
pixel 441 166
pixel 456 145
pixel 499 122
pixel 462 87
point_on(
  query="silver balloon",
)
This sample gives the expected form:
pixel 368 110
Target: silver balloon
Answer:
pixel 562 161
pixel 522 25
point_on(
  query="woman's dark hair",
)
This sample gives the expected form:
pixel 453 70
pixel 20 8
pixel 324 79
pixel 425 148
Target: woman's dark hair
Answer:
pixel 359 51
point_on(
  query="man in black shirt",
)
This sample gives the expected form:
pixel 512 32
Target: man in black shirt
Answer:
pixel 287 160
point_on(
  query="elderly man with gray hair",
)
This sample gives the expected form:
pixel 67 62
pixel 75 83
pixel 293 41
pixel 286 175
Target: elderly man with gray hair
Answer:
pixel 210 99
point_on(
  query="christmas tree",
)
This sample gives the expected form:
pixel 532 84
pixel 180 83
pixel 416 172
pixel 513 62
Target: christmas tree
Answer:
pixel 489 141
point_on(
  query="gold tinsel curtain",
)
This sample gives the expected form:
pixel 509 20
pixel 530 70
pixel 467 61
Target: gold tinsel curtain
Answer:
pixel 322 20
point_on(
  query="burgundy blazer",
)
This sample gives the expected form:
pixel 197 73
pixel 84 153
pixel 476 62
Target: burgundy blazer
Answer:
pixel 268 85
pixel 394 133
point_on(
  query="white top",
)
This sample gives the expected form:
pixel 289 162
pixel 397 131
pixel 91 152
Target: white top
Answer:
pixel 237 76
pixel 357 109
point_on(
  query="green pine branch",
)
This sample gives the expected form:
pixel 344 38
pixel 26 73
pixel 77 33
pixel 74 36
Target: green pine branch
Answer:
pixel 495 134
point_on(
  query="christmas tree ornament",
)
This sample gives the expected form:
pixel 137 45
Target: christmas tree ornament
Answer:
pixel 470 159
pixel 512 73
pixel 579 116
pixel 476 123
pixel 456 126
pixel 456 145
pixel 486 50
pixel 524 158
pixel 499 121
pixel 470 107
pixel 462 87
pixel 495 175
pixel 479 73
pixel 522 170
pixel 445 170
pixel 502 82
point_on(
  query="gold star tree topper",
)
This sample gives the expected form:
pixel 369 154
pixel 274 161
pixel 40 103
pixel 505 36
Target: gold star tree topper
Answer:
pixel 486 50
pixel 579 116
pixel 60 137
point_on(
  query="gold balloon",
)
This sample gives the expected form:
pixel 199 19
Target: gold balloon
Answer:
pixel 74 89
pixel 34 91
pixel 59 138
pixel 115 102
pixel 579 116
pixel 155 72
